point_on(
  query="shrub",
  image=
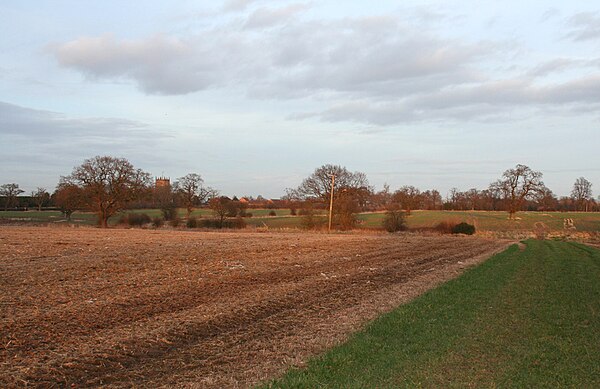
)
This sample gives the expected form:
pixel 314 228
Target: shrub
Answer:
pixel 175 222
pixel 272 213
pixel 169 213
pixel 445 227
pixel 136 219
pixel 463 228
pixel 216 223
pixel 293 211
pixel 248 214
pixel 394 219
pixel 158 222
pixel 191 222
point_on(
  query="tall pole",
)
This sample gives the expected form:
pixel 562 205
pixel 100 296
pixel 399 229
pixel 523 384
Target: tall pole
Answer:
pixel 331 201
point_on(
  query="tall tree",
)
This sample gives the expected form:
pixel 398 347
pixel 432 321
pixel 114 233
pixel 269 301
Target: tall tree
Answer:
pixel 408 197
pixel 582 193
pixel 108 184
pixel 517 185
pixel 10 193
pixel 40 196
pixel 351 192
pixel 317 186
pixel 192 192
pixel 68 198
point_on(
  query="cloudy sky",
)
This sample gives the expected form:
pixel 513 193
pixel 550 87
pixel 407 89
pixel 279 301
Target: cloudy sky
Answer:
pixel 254 95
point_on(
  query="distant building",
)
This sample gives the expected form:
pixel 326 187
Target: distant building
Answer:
pixel 162 182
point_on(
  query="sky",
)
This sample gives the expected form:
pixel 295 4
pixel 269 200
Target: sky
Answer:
pixel 254 95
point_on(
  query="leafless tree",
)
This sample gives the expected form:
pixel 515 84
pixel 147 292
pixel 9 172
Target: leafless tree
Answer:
pixel 408 197
pixel 10 193
pixel 108 184
pixel 40 196
pixel 192 192
pixel 351 192
pixel 546 200
pixel 68 198
pixel 220 207
pixel 582 193
pixel 517 185
pixel 318 184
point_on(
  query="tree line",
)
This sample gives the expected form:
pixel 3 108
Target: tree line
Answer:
pixel 107 185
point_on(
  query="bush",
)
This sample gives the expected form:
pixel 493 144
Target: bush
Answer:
pixel 293 211
pixel 236 223
pixel 463 228
pixel 169 213
pixel 158 222
pixel 175 222
pixel 394 220
pixel 136 219
pixel 191 222
pixel 272 213
pixel 445 227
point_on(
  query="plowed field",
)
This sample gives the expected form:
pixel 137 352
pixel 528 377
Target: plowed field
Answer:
pixel 89 307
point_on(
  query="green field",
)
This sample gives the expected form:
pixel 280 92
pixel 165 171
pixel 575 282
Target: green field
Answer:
pixel 483 220
pixel 524 318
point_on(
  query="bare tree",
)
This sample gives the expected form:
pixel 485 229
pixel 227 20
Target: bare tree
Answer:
pixel 220 207
pixel 351 192
pixel 582 193
pixel 408 197
pixel 108 184
pixel 68 198
pixel 10 193
pixel 40 196
pixel 318 184
pixel 517 185
pixel 192 192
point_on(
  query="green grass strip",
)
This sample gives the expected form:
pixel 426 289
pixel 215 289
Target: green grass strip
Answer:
pixel 524 318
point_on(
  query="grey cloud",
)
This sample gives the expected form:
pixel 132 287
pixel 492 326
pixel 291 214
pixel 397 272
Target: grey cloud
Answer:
pixel 378 69
pixel 269 17
pixel 549 14
pixel 237 5
pixel 553 66
pixel 585 26
pixel 51 127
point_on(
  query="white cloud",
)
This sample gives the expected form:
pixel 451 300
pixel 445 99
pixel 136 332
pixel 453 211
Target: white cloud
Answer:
pixel 585 26
pixel 377 69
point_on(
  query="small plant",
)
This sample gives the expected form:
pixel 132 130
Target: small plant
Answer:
pixel 158 222
pixel 191 222
pixel 394 219
pixel 463 228
pixel 272 213
pixel 175 222
pixel 293 211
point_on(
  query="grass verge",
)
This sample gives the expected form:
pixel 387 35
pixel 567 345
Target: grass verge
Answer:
pixel 524 318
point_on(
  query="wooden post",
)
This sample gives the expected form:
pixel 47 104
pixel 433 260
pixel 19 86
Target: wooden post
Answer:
pixel 331 201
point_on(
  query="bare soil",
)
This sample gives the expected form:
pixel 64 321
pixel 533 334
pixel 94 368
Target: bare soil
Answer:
pixel 83 307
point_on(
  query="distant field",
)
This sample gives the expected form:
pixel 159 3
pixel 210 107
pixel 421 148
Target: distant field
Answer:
pixel 525 319
pixel 483 220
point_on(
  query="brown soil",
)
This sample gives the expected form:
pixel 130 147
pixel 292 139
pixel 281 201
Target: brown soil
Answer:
pixel 87 307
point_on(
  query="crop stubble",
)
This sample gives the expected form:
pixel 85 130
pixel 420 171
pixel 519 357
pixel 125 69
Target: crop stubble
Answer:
pixel 117 307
